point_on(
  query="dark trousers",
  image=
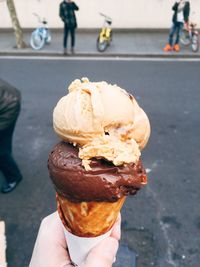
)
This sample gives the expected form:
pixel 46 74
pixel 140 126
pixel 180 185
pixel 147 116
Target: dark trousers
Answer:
pixel 176 28
pixel 8 166
pixel 72 33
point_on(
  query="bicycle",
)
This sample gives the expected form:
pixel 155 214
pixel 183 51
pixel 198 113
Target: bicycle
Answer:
pixel 105 35
pixel 190 36
pixel 41 35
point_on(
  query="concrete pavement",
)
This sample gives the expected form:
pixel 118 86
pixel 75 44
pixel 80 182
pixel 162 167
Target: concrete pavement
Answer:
pixel 133 43
pixel 162 222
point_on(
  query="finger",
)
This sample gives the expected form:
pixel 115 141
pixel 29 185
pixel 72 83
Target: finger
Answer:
pixel 51 225
pixel 103 255
pixel 51 236
pixel 116 231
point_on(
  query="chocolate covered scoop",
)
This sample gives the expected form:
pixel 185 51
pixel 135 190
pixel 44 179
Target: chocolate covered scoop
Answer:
pixel 104 182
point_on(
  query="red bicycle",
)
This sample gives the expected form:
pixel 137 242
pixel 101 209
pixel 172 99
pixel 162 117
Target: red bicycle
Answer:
pixel 190 36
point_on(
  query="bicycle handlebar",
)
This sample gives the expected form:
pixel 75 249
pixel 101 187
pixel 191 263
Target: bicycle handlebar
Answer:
pixel 193 24
pixel 39 18
pixel 35 14
pixel 105 16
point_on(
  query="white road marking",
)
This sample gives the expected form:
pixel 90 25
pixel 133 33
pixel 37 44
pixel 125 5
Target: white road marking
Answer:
pixel 159 212
pixel 102 58
pixel 164 228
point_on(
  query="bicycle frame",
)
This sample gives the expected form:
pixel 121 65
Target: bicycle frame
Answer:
pixel 105 34
pixel 106 29
pixel 43 31
pixel 43 22
pixel 41 35
pixel 192 31
pixel 190 37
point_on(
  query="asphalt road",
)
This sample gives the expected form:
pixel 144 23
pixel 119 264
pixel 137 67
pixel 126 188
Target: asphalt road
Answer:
pixel 162 223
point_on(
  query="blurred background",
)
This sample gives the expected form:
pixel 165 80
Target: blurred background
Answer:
pixel 128 14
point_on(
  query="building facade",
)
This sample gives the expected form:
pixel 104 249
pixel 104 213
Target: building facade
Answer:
pixel 125 14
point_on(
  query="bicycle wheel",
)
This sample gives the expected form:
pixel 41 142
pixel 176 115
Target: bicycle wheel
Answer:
pixel 195 43
pixel 37 41
pixel 101 45
pixel 185 37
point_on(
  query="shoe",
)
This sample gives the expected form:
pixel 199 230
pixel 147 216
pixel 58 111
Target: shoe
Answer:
pixel 167 48
pixel 65 51
pixel 8 187
pixel 176 47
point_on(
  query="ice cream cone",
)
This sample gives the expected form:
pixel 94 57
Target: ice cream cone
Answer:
pixel 98 164
pixel 88 219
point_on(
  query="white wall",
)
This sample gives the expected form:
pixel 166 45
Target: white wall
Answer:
pixel 125 13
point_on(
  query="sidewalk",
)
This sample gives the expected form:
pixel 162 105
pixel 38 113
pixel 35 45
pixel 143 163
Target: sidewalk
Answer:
pixel 125 43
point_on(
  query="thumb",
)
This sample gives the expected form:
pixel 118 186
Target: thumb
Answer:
pixel 103 255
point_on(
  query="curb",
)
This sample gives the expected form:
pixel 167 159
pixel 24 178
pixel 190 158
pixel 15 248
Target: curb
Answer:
pixel 99 55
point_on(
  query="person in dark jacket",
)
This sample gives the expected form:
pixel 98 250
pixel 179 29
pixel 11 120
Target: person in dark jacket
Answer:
pixel 10 99
pixel 67 14
pixel 180 17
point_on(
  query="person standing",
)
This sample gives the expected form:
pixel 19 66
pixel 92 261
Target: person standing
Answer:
pixel 181 10
pixel 10 102
pixel 67 14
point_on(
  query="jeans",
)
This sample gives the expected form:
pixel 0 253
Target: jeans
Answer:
pixel 176 28
pixel 8 166
pixel 72 32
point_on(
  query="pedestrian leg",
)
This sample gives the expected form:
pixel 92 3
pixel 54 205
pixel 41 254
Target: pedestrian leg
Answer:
pixel 72 31
pixel 178 32
pixel 66 30
pixel 171 33
pixel 8 166
pixel 169 46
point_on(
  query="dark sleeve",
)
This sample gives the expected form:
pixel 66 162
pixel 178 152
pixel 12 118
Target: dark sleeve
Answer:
pixel 75 7
pixel 10 102
pixel 186 11
pixel 175 6
pixel 61 12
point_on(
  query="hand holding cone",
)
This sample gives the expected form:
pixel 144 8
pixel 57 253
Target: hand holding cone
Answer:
pixel 98 164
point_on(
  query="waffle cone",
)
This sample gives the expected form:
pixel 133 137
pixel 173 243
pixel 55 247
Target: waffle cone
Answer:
pixel 88 219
